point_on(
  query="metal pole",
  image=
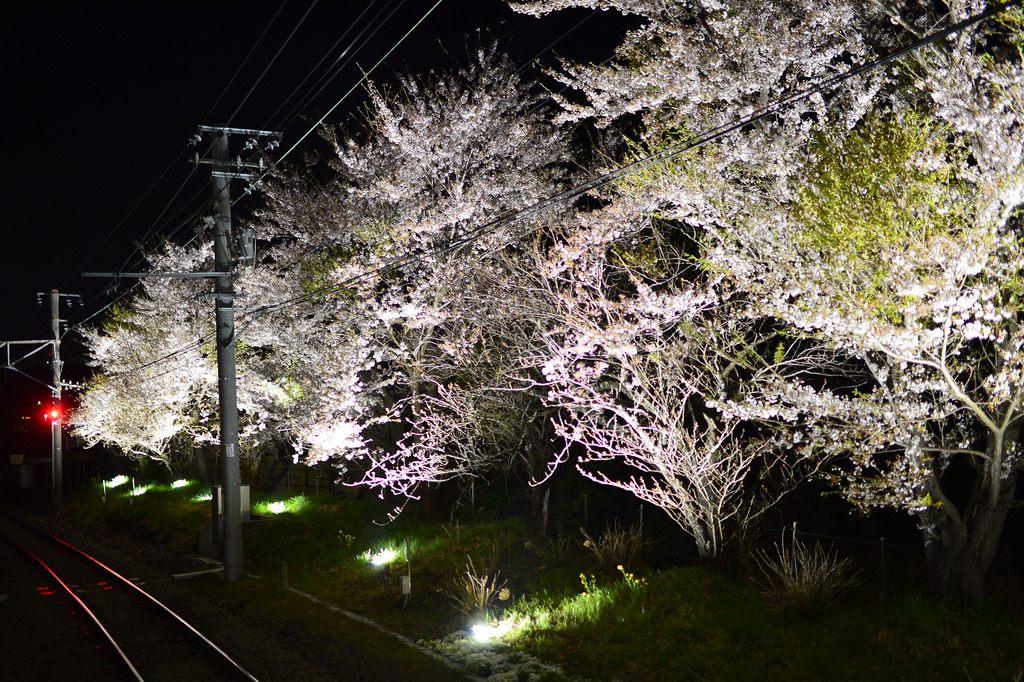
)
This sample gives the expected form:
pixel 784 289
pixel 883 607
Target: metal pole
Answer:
pixel 230 473
pixel 56 434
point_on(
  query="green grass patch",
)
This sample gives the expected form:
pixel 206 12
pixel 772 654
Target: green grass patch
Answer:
pixel 633 622
pixel 170 513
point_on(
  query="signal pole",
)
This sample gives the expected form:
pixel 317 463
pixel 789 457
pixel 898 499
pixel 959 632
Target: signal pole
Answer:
pixel 56 433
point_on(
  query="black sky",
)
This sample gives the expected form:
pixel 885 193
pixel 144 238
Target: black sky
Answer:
pixel 100 100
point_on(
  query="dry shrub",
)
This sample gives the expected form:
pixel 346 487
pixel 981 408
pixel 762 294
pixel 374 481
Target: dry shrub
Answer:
pixel 475 593
pixel 616 546
pixel 807 578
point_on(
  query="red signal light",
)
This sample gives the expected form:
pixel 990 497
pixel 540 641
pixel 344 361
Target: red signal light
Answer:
pixel 52 414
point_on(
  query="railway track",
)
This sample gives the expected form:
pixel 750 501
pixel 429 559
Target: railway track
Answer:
pixel 138 637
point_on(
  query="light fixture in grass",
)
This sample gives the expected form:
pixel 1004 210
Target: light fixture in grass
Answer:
pixel 483 632
pixel 380 556
pixel 292 504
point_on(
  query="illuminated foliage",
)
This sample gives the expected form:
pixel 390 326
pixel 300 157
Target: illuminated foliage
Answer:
pixel 836 285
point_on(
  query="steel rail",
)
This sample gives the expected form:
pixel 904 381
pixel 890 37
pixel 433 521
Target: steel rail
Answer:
pixel 122 581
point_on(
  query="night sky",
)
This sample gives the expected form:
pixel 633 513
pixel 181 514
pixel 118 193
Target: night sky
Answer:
pixel 100 100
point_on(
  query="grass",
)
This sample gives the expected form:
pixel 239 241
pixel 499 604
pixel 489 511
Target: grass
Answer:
pixel 631 622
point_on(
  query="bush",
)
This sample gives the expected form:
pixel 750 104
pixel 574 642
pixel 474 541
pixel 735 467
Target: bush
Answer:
pixel 802 577
pixel 474 593
pixel 617 546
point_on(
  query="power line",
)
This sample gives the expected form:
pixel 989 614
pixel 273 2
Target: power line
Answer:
pixel 487 228
pixel 557 40
pixel 314 127
pixel 353 44
pixel 357 84
pixel 353 47
pixel 152 230
pixel 825 85
pixel 245 61
pixel 267 68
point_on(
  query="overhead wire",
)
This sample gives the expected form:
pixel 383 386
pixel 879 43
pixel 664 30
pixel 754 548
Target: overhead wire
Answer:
pixel 173 164
pixel 224 91
pixel 320 84
pixel 245 61
pixel 822 86
pixel 669 153
pixel 312 129
pixel 272 61
pixel 136 256
pixel 352 89
pixel 325 78
pixel 557 40
pixel 184 223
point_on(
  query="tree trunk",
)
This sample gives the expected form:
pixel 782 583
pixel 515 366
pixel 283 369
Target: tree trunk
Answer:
pixel 960 548
pixel 538 453
pixel 539 497
pixel 276 471
pixel 202 462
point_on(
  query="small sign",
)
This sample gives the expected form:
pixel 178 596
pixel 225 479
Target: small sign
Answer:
pixel 17 459
pixel 229 450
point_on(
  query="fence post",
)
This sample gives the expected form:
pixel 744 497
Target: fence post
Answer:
pixel 407 583
pixel 882 553
pixel 793 555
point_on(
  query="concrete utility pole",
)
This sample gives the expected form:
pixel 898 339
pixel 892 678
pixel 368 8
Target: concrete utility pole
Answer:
pixel 56 419
pixel 10 361
pixel 231 482
pixel 230 251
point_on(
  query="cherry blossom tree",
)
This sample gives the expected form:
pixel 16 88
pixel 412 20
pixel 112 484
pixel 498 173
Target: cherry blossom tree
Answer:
pixel 152 371
pixel 428 299
pixel 890 252
pixel 333 369
pixel 642 347
pixel 902 251
pixel 896 259
pixel 838 283
pixel 646 343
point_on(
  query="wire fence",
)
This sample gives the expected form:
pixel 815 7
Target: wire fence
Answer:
pixel 886 566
